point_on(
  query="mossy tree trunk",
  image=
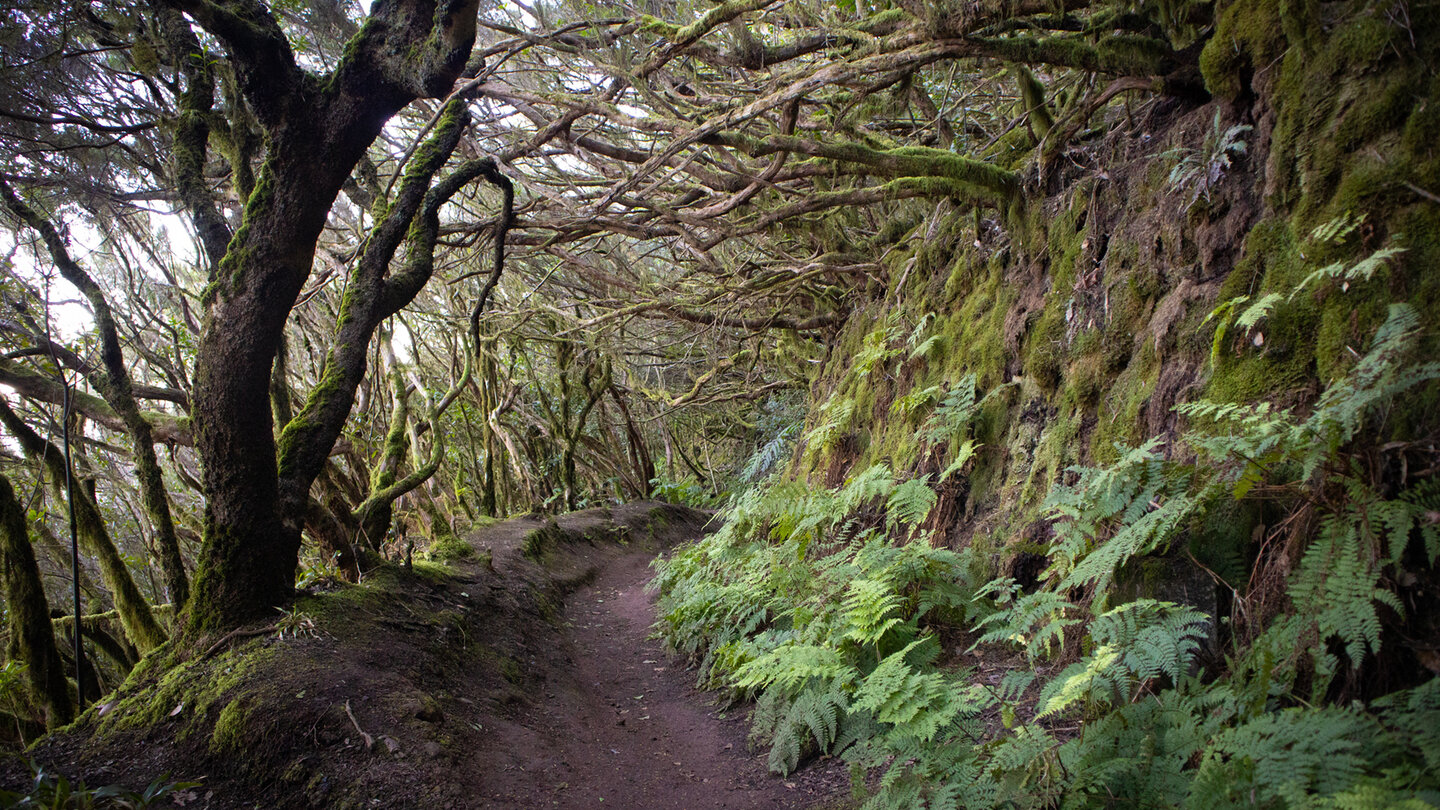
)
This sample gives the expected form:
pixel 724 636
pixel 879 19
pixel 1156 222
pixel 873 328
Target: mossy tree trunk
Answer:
pixel 594 382
pixel 135 614
pixel 32 637
pixel 375 520
pixel 639 452
pixel 387 486
pixel 113 382
pixel 317 130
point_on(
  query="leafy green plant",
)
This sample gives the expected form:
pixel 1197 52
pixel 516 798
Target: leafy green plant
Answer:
pixel 1229 314
pixel 1198 172
pixel 768 454
pixel 954 413
pixel 792 603
pixel 807 602
pixel 52 791
pixel 687 491
pixel 1135 644
pixel 836 416
pixel 1115 513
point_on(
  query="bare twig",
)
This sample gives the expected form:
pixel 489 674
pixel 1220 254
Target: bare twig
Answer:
pixel 369 741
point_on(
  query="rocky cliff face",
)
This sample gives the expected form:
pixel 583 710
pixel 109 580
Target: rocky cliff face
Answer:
pixel 1083 316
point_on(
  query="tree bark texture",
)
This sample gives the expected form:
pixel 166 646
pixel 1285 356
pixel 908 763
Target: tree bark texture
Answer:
pixel 317 130
pixel 32 637
pixel 135 614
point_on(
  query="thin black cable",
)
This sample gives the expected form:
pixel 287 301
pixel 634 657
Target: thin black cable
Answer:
pixel 74 543
pixel 70 505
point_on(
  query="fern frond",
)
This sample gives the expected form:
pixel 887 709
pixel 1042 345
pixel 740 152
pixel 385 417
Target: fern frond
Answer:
pixel 1257 311
pixel 1036 622
pixel 790 665
pixel 1424 502
pixel 916 401
pixel 873 482
pixel 837 416
pixel 962 457
pixel 1137 642
pixel 765 458
pixel 1338 229
pixel 1151 532
pixel 1363 270
pixel 785 751
pixel 927 347
pixel 1285 757
pixel 1156 638
pixel 910 503
pixel 1337 585
pixel 1022 750
pixel 1096 679
pixel 953 414
pixel 872 608
pixel 1378 377
pixel 918 704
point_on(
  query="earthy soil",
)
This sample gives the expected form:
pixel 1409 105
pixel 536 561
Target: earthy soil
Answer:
pixel 623 726
pixel 519 677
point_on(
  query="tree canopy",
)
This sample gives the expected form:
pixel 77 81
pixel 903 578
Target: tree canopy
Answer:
pixel 355 271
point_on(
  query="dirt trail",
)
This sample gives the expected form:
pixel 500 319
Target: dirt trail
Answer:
pixel 627 730
pixel 520 676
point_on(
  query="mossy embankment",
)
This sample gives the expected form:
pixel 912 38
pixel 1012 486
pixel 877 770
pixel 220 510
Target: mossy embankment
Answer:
pixel 1084 313
pixel 379 689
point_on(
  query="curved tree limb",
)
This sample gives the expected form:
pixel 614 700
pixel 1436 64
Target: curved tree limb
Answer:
pixel 118 389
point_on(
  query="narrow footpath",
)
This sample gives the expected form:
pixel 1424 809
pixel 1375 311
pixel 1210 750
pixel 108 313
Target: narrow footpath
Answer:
pixel 629 730
pixel 520 676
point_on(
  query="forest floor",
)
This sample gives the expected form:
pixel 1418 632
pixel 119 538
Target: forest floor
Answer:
pixel 523 676
pixel 623 726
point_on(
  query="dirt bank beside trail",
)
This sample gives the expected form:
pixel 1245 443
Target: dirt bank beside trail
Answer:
pixel 521 676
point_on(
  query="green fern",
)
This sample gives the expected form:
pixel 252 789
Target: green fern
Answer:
pixel 1225 317
pixel 1136 643
pixel 836 416
pixel 811 721
pixel 1377 378
pixel 1337 586
pixel 789 666
pixel 1284 757
pixel 916 401
pixel 1363 270
pixel 1198 172
pixel 1131 508
pixel 875 350
pixel 874 482
pixel 1139 754
pixel 1337 230
pixel 1029 748
pixel 765 458
pixel 954 413
pixel 1034 622
pixel 963 455
pixel 1156 638
pixel 872 608
pixel 1151 532
pixel 910 503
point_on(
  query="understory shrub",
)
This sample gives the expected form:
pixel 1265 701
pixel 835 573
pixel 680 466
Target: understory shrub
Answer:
pixel 828 608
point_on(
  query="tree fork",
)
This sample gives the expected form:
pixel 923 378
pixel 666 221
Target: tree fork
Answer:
pixel 317 129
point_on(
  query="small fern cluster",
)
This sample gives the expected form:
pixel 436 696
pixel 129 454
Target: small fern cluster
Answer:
pixel 794 604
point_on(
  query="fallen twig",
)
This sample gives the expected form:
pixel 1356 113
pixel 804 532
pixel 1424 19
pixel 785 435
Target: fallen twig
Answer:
pixel 235 634
pixel 369 741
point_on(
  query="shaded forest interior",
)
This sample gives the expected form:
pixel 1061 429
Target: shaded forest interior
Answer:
pixel 1061 374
